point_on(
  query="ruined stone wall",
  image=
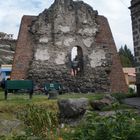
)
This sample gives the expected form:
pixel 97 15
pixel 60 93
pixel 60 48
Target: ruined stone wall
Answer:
pixel 7 48
pixel 135 15
pixel 67 24
pixel 56 31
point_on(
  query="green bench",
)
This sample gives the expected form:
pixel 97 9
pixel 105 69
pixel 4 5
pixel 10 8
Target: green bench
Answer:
pixel 53 89
pixel 53 86
pixel 19 85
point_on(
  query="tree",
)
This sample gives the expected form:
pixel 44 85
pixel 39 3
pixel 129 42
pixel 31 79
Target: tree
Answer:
pixel 126 57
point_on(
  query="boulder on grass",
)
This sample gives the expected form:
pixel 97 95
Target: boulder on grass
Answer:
pixel 72 108
pixel 110 98
pixel 100 104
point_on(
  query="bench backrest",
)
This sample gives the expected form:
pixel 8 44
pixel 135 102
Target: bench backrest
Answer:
pixel 19 84
pixel 52 86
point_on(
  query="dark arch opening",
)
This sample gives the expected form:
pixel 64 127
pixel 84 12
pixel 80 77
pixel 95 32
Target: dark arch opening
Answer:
pixel 77 61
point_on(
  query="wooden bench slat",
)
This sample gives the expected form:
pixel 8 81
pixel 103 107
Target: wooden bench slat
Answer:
pixel 52 86
pixel 19 85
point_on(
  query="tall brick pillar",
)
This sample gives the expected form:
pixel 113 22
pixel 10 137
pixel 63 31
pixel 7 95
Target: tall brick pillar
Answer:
pixel 135 16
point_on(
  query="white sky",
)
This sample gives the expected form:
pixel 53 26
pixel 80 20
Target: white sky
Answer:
pixel 116 11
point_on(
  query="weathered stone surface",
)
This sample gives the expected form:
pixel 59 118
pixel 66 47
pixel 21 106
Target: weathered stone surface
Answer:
pixel 66 31
pixel 43 40
pixel 72 108
pixel 7 48
pixel 100 104
pixel 88 42
pixel 50 38
pixel 68 41
pixel 60 60
pixel 135 16
pixel 42 54
pixel 110 98
pixel 106 113
pixel 97 58
pixel 9 126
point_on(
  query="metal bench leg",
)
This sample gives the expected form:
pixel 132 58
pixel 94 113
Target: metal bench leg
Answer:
pixel 6 93
pixel 31 94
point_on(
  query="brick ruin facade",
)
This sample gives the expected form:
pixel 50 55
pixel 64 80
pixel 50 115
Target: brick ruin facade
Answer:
pixel 135 16
pixel 45 44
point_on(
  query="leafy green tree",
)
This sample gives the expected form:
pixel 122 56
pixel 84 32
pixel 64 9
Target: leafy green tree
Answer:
pixel 126 57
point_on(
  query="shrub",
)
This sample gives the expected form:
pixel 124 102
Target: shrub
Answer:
pixel 40 122
pixel 119 96
pixel 121 126
pixel 131 90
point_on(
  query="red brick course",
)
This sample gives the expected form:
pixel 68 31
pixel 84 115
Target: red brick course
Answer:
pixel 105 38
pixel 24 50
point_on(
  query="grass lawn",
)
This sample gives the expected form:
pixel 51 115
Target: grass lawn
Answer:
pixel 23 99
pixel 16 102
pixel 13 106
pixel 90 96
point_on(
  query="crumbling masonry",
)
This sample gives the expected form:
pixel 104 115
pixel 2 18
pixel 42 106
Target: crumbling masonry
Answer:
pixel 135 15
pixel 45 43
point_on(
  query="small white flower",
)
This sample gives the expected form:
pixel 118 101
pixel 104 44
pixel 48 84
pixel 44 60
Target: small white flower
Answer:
pixel 133 119
pixel 62 125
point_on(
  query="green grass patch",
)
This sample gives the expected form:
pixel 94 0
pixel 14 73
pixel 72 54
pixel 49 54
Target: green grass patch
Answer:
pixel 16 103
pixel 121 96
pixel 90 96
pixel 40 114
pixel 118 107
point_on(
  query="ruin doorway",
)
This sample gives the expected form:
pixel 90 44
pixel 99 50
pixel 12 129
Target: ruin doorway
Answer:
pixel 77 61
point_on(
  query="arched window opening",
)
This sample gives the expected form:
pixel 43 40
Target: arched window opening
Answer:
pixel 76 61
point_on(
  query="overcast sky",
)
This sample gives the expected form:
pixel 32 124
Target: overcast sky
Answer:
pixel 116 11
